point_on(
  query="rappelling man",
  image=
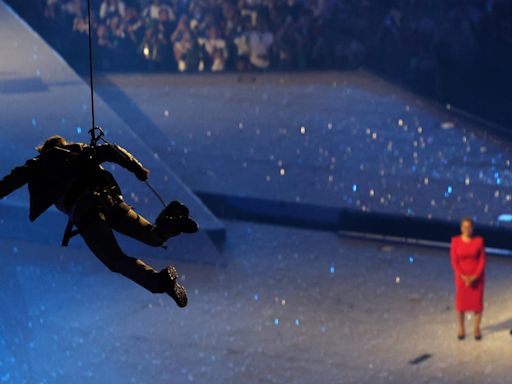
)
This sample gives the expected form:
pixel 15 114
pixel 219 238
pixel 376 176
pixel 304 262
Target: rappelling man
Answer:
pixel 70 176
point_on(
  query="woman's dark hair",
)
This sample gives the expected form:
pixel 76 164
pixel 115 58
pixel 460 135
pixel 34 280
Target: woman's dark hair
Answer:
pixel 467 219
pixel 51 142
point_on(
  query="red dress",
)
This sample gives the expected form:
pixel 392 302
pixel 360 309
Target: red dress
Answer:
pixel 468 258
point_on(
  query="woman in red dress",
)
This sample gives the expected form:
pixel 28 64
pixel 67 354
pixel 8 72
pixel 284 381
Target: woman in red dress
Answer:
pixel 468 262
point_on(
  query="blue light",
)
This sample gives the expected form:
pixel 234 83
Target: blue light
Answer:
pixel 276 322
pixel 506 217
pixel 450 189
pixel 354 187
pixel 411 259
pixel 331 269
pixel 256 297
pixel 297 322
pixel 79 130
pixel 34 121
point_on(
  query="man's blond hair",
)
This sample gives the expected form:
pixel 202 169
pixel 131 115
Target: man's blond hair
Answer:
pixel 52 142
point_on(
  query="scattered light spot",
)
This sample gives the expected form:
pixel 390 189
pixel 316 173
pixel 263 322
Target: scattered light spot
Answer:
pixel 447 125
pixel 505 217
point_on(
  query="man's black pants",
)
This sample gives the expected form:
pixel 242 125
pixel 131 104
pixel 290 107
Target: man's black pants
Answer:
pixel 96 222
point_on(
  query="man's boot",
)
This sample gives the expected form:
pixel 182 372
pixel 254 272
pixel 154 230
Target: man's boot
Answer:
pixel 174 209
pixel 174 219
pixel 169 281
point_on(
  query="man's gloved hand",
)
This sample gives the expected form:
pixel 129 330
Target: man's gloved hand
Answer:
pixel 142 174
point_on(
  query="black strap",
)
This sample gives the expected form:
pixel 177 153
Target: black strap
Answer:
pixel 69 232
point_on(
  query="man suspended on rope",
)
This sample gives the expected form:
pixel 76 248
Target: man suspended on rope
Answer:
pixel 70 176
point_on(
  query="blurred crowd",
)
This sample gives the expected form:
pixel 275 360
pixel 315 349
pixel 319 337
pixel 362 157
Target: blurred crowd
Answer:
pixel 454 49
pixel 413 37
pixel 442 47
pixel 208 35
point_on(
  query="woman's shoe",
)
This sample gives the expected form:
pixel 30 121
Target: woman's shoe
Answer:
pixel 478 336
pixel 461 337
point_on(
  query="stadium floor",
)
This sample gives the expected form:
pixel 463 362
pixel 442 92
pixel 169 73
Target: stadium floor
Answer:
pixel 331 139
pixel 288 306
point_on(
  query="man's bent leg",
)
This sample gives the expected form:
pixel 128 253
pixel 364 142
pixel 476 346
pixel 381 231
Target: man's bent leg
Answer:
pixel 99 237
pixel 130 223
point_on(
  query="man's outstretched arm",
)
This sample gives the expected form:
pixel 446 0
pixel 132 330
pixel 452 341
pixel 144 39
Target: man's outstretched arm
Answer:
pixel 18 177
pixel 116 154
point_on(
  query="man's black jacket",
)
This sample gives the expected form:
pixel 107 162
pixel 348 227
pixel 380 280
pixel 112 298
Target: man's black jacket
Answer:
pixel 61 174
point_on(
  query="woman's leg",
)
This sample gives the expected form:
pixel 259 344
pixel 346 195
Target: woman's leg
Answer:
pixel 478 321
pixel 460 324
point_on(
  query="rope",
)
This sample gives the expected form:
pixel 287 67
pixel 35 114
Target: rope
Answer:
pixel 100 134
pixel 91 81
pixel 155 192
